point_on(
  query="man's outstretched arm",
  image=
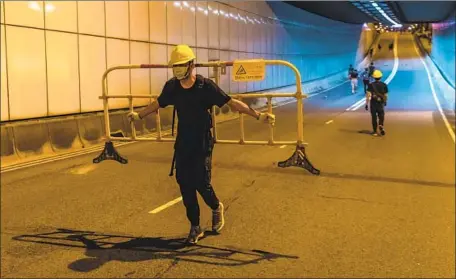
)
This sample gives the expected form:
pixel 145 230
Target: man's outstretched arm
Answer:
pixel 242 107
pixel 151 108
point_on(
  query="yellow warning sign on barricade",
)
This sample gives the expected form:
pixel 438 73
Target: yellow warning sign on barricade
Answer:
pixel 248 70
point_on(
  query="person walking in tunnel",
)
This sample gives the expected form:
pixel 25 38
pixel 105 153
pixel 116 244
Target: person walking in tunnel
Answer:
pixel 371 69
pixel 366 78
pixel 377 95
pixel 391 46
pixel 379 46
pixel 192 97
pixel 371 52
pixel 354 80
pixel 350 70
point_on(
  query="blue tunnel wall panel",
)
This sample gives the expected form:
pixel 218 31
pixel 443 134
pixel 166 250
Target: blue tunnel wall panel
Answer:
pixel 443 47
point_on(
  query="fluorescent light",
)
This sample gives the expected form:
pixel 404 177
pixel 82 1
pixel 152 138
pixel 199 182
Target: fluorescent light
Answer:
pixel 34 5
pixel 49 8
pixel 383 13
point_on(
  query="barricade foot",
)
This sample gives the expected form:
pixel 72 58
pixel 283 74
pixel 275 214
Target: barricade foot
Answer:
pixel 299 159
pixel 110 153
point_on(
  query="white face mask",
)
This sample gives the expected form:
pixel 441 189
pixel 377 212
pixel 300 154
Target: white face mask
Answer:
pixel 181 72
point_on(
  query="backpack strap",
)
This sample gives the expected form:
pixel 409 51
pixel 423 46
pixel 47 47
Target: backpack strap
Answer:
pixel 376 94
pixel 171 173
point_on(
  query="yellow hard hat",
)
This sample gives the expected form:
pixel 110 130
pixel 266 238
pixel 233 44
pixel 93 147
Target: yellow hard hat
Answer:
pixel 377 74
pixel 181 54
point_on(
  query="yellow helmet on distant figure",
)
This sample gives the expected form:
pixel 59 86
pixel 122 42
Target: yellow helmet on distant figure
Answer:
pixel 181 54
pixel 377 74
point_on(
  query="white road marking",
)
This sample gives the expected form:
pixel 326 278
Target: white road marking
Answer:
pixel 356 104
pixel 283 146
pixel 166 205
pixel 361 102
pixel 437 102
pixel 330 121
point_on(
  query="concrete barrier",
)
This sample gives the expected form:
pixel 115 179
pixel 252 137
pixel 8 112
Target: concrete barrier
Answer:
pixel 91 130
pixel 64 136
pixel 7 151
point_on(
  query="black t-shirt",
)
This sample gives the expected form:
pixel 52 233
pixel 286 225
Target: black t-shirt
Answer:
pixel 193 111
pixel 354 74
pixel 378 89
pixel 371 69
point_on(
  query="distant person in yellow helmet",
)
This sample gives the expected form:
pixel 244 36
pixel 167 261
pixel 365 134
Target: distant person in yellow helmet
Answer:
pixel 193 96
pixel 377 96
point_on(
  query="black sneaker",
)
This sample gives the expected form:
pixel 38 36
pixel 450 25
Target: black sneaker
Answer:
pixel 196 233
pixel 218 218
pixel 374 134
pixel 382 131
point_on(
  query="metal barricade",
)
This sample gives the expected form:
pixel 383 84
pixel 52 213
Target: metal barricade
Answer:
pixel 298 158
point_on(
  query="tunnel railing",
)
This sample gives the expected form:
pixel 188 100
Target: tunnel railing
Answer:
pixel 219 67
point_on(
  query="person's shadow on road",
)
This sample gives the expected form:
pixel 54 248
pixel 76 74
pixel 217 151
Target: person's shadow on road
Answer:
pixel 103 248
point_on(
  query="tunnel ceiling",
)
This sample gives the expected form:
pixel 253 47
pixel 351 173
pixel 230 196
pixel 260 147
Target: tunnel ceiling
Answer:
pixel 363 11
pixel 423 11
pixel 337 10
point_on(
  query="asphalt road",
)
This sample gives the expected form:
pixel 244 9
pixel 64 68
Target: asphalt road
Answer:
pixel 382 206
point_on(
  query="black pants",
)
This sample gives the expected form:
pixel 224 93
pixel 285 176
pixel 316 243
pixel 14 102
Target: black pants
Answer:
pixel 377 110
pixel 366 83
pixel 193 174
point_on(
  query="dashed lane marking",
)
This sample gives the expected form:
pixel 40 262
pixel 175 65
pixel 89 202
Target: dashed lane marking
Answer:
pixel 166 205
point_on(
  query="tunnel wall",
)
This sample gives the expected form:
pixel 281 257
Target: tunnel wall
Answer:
pixel 51 90
pixel 74 42
pixel 443 47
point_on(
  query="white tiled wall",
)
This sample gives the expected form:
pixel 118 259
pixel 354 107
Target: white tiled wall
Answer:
pixel 117 19
pixel 92 64
pixel 118 53
pixel 157 18
pixel 75 41
pixel 202 24
pixel 139 20
pixel 26 72
pixel 24 13
pixel 62 73
pixel 213 25
pixel 140 79
pixel 93 21
pixel 4 81
pixel 65 19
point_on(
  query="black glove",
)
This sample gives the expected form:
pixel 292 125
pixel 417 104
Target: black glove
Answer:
pixel 366 107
